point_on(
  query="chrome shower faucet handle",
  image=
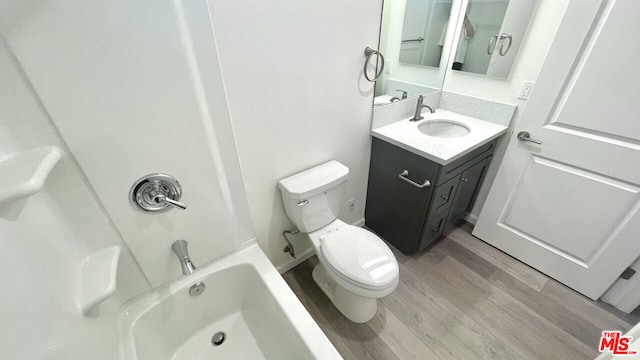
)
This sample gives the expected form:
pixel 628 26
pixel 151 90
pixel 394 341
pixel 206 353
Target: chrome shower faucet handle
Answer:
pixel 156 193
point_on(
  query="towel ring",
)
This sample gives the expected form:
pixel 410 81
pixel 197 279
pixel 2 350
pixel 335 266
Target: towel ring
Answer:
pixel 369 52
pixel 491 46
pixel 503 39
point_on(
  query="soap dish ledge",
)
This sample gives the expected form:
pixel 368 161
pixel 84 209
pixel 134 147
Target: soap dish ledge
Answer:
pixel 24 173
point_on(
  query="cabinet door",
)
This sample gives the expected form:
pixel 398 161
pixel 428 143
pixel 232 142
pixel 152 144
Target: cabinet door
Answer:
pixel 470 181
pixel 397 209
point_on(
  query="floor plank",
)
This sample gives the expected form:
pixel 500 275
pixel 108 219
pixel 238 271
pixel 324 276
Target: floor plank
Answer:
pixel 400 338
pixel 506 263
pixel 464 299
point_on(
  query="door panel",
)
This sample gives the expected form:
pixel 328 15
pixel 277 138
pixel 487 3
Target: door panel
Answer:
pixel 616 34
pixel 569 206
pixel 571 230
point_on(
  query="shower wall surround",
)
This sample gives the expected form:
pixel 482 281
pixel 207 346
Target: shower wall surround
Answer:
pixel 134 88
pixel 45 238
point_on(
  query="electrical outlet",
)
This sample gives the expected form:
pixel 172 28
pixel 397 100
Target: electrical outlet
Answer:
pixel 352 205
pixel 525 90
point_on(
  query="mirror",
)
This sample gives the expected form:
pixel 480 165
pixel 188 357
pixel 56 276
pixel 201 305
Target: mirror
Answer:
pixel 490 36
pixel 416 38
pixel 422 32
pixel 423 39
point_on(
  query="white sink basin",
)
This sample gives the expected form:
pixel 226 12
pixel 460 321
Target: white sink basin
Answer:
pixel 441 137
pixel 441 128
pixel 245 298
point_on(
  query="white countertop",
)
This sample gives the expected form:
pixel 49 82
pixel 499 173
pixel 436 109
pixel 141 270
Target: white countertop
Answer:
pixel 405 134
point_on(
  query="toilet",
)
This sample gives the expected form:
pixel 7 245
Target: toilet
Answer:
pixel 355 266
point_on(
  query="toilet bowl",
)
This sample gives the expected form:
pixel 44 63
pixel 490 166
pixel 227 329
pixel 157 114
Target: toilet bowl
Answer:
pixel 355 266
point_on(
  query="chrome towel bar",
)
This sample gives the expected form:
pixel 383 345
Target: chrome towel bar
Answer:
pixel 413 40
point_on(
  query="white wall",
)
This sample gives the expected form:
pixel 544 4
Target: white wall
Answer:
pixel 44 240
pixel 297 97
pixel 134 87
pixel 530 58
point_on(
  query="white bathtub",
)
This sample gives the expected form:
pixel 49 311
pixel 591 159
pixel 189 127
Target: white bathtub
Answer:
pixel 245 297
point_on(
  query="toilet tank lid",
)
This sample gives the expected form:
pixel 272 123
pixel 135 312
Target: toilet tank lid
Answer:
pixel 314 181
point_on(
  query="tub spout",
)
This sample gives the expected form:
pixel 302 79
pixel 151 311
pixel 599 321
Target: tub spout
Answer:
pixel 179 247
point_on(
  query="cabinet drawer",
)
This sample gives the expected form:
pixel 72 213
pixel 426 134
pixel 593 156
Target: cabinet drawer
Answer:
pixel 455 168
pixel 443 197
pixel 432 230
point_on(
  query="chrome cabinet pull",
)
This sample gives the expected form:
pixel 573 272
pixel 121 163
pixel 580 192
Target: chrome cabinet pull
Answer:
pixel 403 176
pixel 445 197
pixel 525 136
pixel 369 53
pixel 434 229
pixel 464 179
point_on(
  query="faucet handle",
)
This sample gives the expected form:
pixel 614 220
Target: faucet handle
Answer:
pixel 156 193
pixel 169 201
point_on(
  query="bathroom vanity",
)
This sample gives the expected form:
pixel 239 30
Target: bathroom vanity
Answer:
pixel 421 185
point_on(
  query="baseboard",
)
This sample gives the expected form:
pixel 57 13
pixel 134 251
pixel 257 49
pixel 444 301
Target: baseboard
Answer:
pixel 297 261
pixel 471 218
pixel 307 254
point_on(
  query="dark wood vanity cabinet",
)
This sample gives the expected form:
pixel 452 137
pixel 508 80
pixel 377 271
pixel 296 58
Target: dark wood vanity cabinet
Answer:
pixel 408 216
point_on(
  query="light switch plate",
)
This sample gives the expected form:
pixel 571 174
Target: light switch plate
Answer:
pixel 388 66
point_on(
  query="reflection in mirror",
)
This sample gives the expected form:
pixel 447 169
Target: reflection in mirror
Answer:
pixel 416 37
pixel 491 34
pixel 422 32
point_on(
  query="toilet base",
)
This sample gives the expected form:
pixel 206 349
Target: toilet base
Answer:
pixel 356 308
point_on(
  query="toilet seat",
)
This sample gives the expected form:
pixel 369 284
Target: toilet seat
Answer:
pixel 359 257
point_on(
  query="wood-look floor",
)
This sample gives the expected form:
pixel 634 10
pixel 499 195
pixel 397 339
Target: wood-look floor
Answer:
pixel 463 299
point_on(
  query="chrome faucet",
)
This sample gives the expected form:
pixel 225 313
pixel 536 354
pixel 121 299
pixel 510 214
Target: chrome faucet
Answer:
pixel 418 115
pixel 404 96
pixel 179 247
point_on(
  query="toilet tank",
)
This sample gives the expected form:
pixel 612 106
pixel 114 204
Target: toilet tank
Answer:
pixel 312 198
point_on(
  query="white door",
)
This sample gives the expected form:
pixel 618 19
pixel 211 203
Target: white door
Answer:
pixel 569 206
